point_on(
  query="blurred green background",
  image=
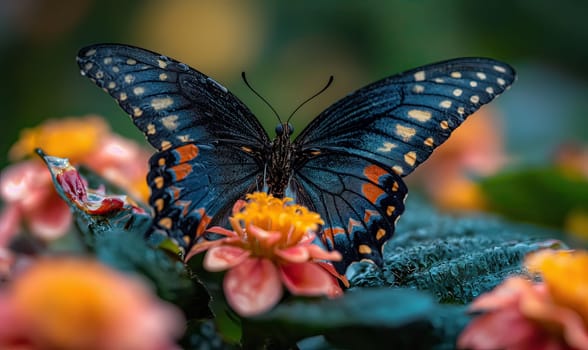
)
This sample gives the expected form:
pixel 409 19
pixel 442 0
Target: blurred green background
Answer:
pixel 289 49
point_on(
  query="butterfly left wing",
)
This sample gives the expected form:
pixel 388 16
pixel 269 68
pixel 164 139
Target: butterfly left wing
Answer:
pixel 350 159
pixel 210 146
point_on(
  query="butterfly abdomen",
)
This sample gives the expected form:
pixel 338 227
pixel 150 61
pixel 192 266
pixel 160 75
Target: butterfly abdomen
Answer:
pixel 279 165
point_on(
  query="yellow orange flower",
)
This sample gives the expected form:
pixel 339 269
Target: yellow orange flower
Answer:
pixel 72 138
pixel 80 304
pixel 270 246
pixel 520 314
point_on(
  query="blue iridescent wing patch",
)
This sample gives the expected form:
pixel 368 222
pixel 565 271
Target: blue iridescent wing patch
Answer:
pixel 209 145
pixel 347 164
pixel 351 158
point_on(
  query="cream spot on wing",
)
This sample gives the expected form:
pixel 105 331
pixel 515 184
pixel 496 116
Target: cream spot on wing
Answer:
pixel 457 92
pixel 490 90
pixel 111 85
pixel 129 78
pixel 161 103
pixel 456 75
pixel 473 83
pixel 161 63
pixel 162 76
pixel 481 76
pixel 417 89
pixel 151 129
pixel 460 110
pixel 445 104
pixel 500 81
pixel 184 138
pixel 444 124
pixel 139 90
pixel 88 66
pixel 475 99
pixel 429 142
pixel 90 52
pixel 122 96
pixel 165 145
pixel 137 112
pixel 398 170
pixel 170 122
pixel 107 60
pixel 410 158
pixel 115 69
pixel 439 80
pixel 419 76
pixel 386 147
pixel 405 132
pixel 499 69
pixel 131 62
pixel 421 116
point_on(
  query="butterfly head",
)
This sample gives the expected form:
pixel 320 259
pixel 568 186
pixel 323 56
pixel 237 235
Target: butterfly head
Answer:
pixel 284 129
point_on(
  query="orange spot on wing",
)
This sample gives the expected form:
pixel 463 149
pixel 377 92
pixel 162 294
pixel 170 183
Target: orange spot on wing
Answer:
pixel 204 221
pixel 352 224
pixel 330 233
pixel 187 152
pixel 373 173
pixel 368 215
pixel 371 192
pixel 181 171
pixel 176 191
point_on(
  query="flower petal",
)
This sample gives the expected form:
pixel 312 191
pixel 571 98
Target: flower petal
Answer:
pixel 221 231
pixel 51 220
pixel 295 254
pixel 308 279
pixel 503 329
pixel 10 217
pixel 331 269
pixel 224 257
pixel 319 253
pixel 253 287
pixel 265 238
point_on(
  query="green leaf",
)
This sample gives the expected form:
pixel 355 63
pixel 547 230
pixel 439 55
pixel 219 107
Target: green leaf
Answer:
pixel 456 259
pixel 172 282
pixel 380 317
pixel 545 196
pixel 203 335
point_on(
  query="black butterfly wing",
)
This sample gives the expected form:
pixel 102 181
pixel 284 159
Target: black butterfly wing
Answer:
pixel 350 159
pixel 210 146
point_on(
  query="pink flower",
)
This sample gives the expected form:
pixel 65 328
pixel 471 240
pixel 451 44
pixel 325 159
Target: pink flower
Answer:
pixel 30 198
pixel 31 202
pixel 522 315
pixel 73 304
pixel 270 247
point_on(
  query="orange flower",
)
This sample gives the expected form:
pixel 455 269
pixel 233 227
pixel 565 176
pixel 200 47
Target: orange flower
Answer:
pixel 521 314
pixel 81 304
pixel 270 246
pixel 72 138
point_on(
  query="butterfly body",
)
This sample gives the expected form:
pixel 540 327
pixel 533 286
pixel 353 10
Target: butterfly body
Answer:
pixel 347 164
pixel 280 161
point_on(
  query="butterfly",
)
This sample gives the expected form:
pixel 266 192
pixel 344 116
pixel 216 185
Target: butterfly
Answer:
pixel 347 164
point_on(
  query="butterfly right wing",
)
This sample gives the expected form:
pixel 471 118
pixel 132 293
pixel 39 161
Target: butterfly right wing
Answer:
pixel 211 148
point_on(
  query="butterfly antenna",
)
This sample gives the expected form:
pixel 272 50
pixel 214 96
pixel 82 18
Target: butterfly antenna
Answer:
pixel 261 97
pixel 311 97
